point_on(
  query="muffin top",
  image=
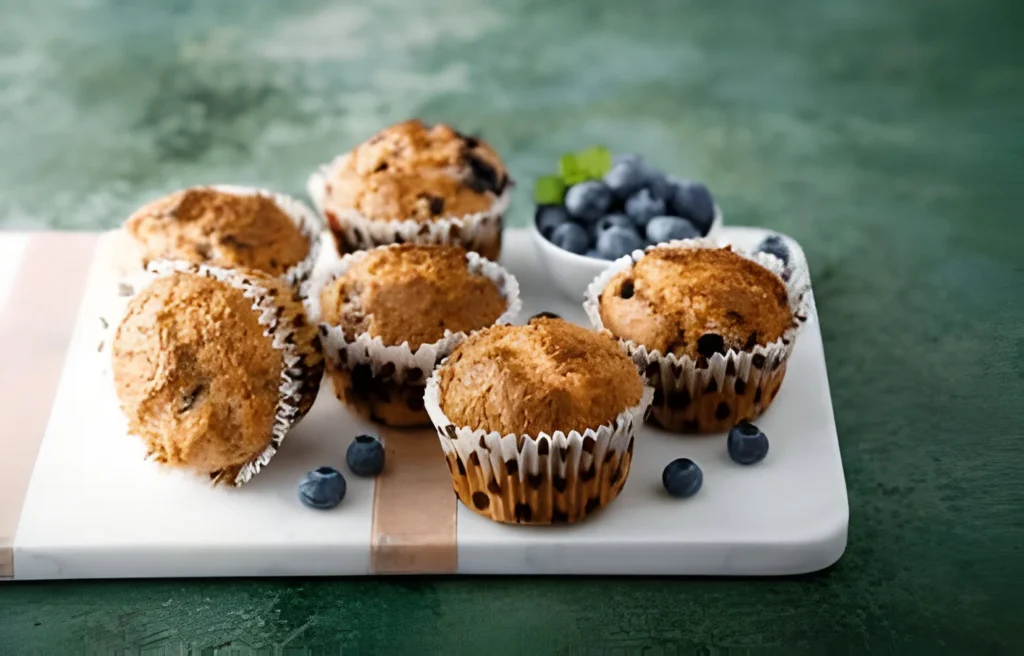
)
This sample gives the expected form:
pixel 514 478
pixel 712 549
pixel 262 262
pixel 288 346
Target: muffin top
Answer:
pixel 411 293
pixel 414 171
pixel 547 376
pixel 195 374
pixel 203 225
pixel 693 302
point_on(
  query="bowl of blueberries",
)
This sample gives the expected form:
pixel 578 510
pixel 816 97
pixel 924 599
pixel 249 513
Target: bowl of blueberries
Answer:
pixel 599 208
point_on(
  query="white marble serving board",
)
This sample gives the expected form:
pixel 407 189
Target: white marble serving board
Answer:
pixel 96 508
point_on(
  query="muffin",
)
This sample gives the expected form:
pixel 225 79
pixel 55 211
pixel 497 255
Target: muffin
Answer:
pixel 712 328
pixel 231 228
pixel 414 183
pixel 212 367
pixel 388 315
pixel 537 421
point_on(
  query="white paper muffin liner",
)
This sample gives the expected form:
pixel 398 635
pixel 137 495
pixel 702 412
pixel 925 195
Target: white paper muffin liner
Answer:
pixel 353 230
pixel 278 328
pixel 696 377
pixel 346 351
pixel 592 466
pixel 307 221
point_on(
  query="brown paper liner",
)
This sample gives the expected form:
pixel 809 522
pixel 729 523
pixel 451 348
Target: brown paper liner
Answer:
pixel 377 399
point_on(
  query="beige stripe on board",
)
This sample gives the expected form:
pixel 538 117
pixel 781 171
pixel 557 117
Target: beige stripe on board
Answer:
pixel 414 506
pixel 35 327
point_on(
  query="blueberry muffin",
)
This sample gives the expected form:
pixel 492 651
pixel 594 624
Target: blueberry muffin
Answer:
pixel 229 227
pixel 537 421
pixel 213 366
pixel 389 314
pixel 711 328
pixel 414 183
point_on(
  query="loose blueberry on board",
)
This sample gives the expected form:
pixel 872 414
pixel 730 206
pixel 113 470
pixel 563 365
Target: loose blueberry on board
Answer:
pixel 549 217
pixel 642 207
pixel 626 177
pixel 365 456
pixel 609 220
pixel 682 478
pixel 693 201
pixel 617 241
pixel 668 228
pixel 322 489
pixel 571 237
pixel 775 245
pixel 747 443
pixel 589 200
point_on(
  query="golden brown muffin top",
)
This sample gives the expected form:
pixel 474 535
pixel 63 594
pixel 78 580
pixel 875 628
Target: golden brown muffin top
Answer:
pixel 414 171
pixel 547 376
pixel 692 301
pixel 411 293
pixel 203 225
pixel 195 375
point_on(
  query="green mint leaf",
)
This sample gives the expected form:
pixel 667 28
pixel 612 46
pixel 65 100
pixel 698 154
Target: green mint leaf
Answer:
pixel 571 170
pixel 595 161
pixel 549 190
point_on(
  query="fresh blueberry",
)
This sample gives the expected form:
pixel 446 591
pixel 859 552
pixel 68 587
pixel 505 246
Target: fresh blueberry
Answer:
pixel 692 201
pixel 323 488
pixel 656 182
pixel 571 237
pixel 642 207
pixel 610 220
pixel 626 157
pixel 617 241
pixel 365 456
pixel 626 177
pixel 549 217
pixel 775 245
pixel 747 443
pixel 682 478
pixel 667 228
pixel 589 200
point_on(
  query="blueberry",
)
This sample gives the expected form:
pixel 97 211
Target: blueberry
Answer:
pixel 747 443
pixel 626 177
pixel 593 253
pixel 626 157
pixel 589 200
pixel 571 237
pixel 667 228
pixel 642 207
pixel 775 245
pixel 617 241
pixel 365 456
pixel 656 183
pixel 610 220
pixel 682 478
pixel 323 488
pixel 549 217
pixel 692 201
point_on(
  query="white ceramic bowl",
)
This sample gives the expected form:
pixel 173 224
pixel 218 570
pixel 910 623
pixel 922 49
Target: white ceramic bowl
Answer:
pixel 571 273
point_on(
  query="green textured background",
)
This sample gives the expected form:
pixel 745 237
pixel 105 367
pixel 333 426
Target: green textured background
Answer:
pixel 888 137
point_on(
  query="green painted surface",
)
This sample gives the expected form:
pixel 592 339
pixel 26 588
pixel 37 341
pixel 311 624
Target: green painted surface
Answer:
pixel 887 137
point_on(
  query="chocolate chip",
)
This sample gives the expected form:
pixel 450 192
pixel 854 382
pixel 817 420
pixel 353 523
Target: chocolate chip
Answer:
pixel 627 290
pixel 710 343
pixel 383 166
pixel 462 467
pixel 757 395
pixel 523 512
pixel 757 361
pixel 559 517
pixel 740 386
pixel 436 205
pixel 588 473
pixel 691 426
pixel 475 458
pixel 543 446
pixel 723 411
pixel 592 504
pixel 712 385
pixel 534 480
pixel 493 487
pixel 588 444
pixel 751 341
pixel 659 397
pixel 481 500
pixel 387 370
pixel 652 368
pixel 450 430
pixel 559 483
pixel 483 177
pixel 544 315
pixel 512 467
pixel 680 399
pixel 414 374
pixel 730 367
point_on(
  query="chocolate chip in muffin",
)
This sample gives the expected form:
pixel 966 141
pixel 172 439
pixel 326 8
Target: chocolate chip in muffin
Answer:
pixel 436 205
pixel 482 176
pixel 627 290
pixel 710 343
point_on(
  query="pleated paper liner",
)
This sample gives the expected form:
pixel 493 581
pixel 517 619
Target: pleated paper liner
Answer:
pixel 706 395
pixel 385 382
pixel 479 232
